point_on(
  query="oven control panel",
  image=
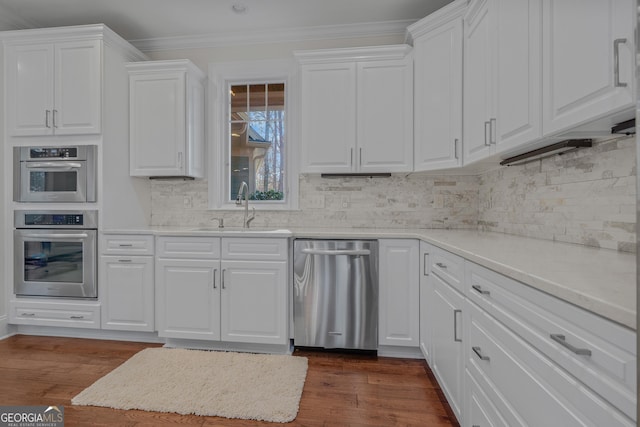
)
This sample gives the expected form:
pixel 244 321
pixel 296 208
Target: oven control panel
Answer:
pixel 53 153
pixel 54 219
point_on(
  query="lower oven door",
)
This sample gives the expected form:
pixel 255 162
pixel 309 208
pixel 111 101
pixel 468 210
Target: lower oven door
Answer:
pixel 55 263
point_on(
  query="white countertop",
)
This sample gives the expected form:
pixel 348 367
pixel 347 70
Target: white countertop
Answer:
pixel 602 281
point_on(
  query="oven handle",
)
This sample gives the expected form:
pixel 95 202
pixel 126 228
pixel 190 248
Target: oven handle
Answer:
pixel 57 236
pixel 56 165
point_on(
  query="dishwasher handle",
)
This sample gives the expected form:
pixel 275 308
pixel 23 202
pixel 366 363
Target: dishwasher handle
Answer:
pixel 334 252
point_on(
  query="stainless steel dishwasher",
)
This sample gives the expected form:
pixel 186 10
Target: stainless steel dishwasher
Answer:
pixel 336 294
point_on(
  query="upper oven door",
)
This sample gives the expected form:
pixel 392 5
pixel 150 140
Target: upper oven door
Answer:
pixel 55 263
pixel 53 181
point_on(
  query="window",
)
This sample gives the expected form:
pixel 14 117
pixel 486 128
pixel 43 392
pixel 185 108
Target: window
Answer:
pixel 250 104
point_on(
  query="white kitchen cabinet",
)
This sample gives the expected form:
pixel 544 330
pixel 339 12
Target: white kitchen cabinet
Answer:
pixel 53 87
pixel 356 110
pixel 44 312
pixel 399 293
pixel 125 284
pixel 437 51
pixel 254 300
pixel 126 291
pixel 589 61
pixel 502 73
pixel 447 355
pixel 166 107
pixel 222 289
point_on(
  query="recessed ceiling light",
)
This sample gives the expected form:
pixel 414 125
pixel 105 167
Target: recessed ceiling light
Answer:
pixel 239 8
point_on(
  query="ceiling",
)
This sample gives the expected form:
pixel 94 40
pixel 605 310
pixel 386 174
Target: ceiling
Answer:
pixel 157 19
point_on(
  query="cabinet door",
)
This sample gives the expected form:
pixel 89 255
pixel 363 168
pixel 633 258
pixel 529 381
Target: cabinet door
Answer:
pixel 254 302
pixel 438 97
pixel 385 116
pixel 77 89
pixel 588 68
pixel 518 72
pixel 446 335
pixel 126 292
pixel 29 89
pixel 188 299
pixel 328 117
pixel 478 83
pixel 399 296
pixel 157 124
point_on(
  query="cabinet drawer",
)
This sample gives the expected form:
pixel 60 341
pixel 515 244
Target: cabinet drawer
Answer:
pixel 126 244
pixel 506 366
pixel 609 369
pixel 72 315
pixel 247 248
pixel 448 267
pixel 188 247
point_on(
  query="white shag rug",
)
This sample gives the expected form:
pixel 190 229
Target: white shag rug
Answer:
pixel 261 387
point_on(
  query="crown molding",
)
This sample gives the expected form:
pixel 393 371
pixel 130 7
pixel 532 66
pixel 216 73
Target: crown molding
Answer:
pixel 326 32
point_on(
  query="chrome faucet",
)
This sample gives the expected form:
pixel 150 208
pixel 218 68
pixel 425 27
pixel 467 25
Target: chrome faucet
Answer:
pixel 244 188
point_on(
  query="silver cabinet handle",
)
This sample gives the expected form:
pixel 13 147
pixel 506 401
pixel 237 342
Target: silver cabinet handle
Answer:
pixel 455 148
pixel 124 260
pixel 53 115
pixel 425 269
pixel 479 290
pixel 561 339
pixel 215 271
pixel 492 131
pixel 616 62
pixel 478 352
pixel 487 142
pixel 27 315
pixel 222 277
pixel 76 317
pixel 125 245
pixel 351 157
pixel 360 157
pixel 455 325
pixel 441 265
pixel 180 159
pixel 46 118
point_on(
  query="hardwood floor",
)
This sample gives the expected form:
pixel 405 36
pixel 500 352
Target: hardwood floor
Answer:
pixel 340 390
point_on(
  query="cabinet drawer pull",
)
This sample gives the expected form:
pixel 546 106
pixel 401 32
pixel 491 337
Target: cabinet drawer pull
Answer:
pixel 616 62
pixel 27 315
pixel 441 265
pixel 455 325
pixel 76 317
pixel 478 352
pixel 125 245
pixel 479 290
pixel 561 339
pixel 124 260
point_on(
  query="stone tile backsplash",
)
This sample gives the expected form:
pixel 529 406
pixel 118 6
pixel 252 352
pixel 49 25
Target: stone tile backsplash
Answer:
pixel 586 197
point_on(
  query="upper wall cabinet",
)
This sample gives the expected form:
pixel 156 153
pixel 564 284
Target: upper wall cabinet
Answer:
pixel 53 87
pixel 357 110
pixel 437 56
pixel 501 76
pixel 166 107
pixel 589 61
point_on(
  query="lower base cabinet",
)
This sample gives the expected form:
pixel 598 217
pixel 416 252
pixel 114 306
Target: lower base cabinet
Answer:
pixel 222 297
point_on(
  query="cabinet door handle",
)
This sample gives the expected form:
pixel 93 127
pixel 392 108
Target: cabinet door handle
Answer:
pixel 455 325
pixel 53 116
pixel 487 142
pixel 351 157
pixel 180 159
pixel 441 265
pixel 215 271
pixel 46 118
pixel 561 339
pixel 478 352
pixel 616 62
pixel 360 157
pixel 479 290
pixel 222 278
pixel 425 269
pixel 455 148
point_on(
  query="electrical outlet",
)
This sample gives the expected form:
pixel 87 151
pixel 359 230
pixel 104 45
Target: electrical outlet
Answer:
pixel 187 202
pixel 345 201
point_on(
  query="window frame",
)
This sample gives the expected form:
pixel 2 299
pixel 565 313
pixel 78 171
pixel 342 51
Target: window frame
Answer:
pixel 223 74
